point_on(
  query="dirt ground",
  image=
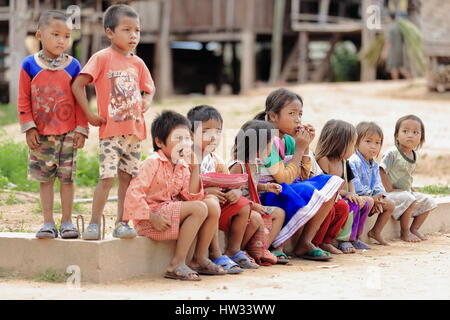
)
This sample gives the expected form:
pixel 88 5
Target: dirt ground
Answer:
pixel 400 271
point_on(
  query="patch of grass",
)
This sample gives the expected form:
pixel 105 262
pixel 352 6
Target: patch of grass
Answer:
pixel 21 228
pixel 12 199
pixel 51 275
pixel 8 114
pixel 87 169
pixel 436 189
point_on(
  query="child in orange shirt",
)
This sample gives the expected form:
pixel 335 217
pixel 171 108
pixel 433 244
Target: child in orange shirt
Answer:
pixel 165 199
pixel 119 77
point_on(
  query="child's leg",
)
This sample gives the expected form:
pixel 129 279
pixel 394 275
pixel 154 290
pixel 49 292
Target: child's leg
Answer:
pixel 237 230
pixel 382 219
pixel 304 244
pixel 100 197
pixel 124 182
pixel 206 234
pixel 406 234
pixel 417 223
pixel 256 223
pixel 46 194
pixel 277 223
pixel 341 210
pixel 192 216
pixel 67 193
pixel 214 249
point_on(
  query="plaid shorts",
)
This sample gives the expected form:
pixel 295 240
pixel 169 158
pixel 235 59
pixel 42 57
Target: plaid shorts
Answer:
pixel 55 157
pixel 120 152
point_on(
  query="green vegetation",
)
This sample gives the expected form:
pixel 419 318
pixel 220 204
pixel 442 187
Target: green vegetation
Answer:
pixel 344 62
pixel 436 189
pixel 51 275
pixel 8 114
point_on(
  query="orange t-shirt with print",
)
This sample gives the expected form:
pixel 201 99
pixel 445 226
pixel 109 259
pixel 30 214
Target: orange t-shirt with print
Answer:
pixel 119 81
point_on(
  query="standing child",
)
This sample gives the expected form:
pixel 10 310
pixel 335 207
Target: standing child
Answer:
pixel 256 134
pixel 165 199
pixel 54 124
pixel 367 181
pixel 397 168
pixel 336 144
pixel 206 125
pixel 119 77
pixel 306 203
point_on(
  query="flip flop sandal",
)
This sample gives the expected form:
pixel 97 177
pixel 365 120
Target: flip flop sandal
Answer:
pixel 244 261
pixel 182 273
pixel 67 230
pixel 228 265
pixel 317 255
pixel 210 268
pixel 358 244
pixel 47 231
pixel 344 246
pixel 282 258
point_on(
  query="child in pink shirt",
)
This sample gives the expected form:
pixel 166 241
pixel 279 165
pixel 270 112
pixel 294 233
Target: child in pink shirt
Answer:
pixel 165 200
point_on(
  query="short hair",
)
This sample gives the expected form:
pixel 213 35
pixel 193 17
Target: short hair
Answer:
pixel 49 15
pixel 334 139
pixel 113 14
pixel 277 100
pixel 203 113
pixel 245 149
pixel 163 125
pixel 410 117
pixel 365 128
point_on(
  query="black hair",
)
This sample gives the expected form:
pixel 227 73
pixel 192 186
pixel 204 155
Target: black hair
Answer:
pixel 410 117
pixel 276 101
pixel 49 15
pixel 113 14
pixel 164 123
pixel 203 113
pixel 245 146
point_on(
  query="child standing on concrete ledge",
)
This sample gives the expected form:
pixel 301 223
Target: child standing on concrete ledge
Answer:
pixel 54 124
pixel 119 77
pixel 165 199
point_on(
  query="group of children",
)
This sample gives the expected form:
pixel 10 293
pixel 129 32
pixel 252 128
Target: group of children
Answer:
pixel 274 185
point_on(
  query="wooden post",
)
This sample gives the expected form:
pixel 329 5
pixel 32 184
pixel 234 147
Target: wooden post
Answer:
pixel 324 7
pixel 163 55
pixel 368 72
pixel 303 57
pixel 17 52
pixel 277 41
pixel 324 67
pixel 248 48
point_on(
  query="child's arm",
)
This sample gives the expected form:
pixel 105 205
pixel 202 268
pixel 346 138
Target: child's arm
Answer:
pixel 79 92
pixel 385 180
pixel 360 188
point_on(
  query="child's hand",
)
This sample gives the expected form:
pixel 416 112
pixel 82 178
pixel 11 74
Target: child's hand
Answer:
pixel 233 195
pixel 311 130
pixel 218 193
pixel 353 197
pixel 302 139
pixel 32 137
pixel 259 208
pixel 78 140
pixel 95 120
pixel 274 187
pixel 159 222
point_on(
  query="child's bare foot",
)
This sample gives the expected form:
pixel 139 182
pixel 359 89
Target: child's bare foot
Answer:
pixel 409 237
pixel 377 237
pixel 330 248
pixel 420 235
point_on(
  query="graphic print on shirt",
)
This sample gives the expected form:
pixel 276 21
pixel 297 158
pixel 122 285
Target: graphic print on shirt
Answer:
pixel 50 104
pixel 125 98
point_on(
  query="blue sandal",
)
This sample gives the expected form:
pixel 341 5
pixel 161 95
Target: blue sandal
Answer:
pixel 67 230
pixel 344 246
pixel 358 244
pixel 228 265
pixel 244 261
pixel 47 231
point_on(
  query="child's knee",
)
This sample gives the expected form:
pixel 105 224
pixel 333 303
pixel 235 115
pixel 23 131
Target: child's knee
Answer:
pixel 390 205
pixel 256 220
pixel 370 201
pixel 245 211
pixel 199 209
pixel 278 214
pixel 213 208
pixel 106 183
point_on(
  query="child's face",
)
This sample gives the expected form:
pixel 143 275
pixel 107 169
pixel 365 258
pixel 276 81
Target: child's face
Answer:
pixel 370 145
pixel 289 121
pixel 178 145
pixel 350 149
pixel 210 134
pixel 409 134
pixel 126 35
pixel 55 37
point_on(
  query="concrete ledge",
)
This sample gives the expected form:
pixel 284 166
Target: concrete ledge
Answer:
pixel 114 259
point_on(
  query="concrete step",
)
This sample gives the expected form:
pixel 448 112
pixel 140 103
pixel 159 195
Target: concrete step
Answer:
pixel 114 259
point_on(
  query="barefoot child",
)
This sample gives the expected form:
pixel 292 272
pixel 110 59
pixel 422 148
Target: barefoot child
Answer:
pixel 336 144
pixel 367 181
pixel 397 168
pixel 54 124
pixel 245 156
pixel 119 77
pixel 306 203
pixel 206 125
pixel 165 199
